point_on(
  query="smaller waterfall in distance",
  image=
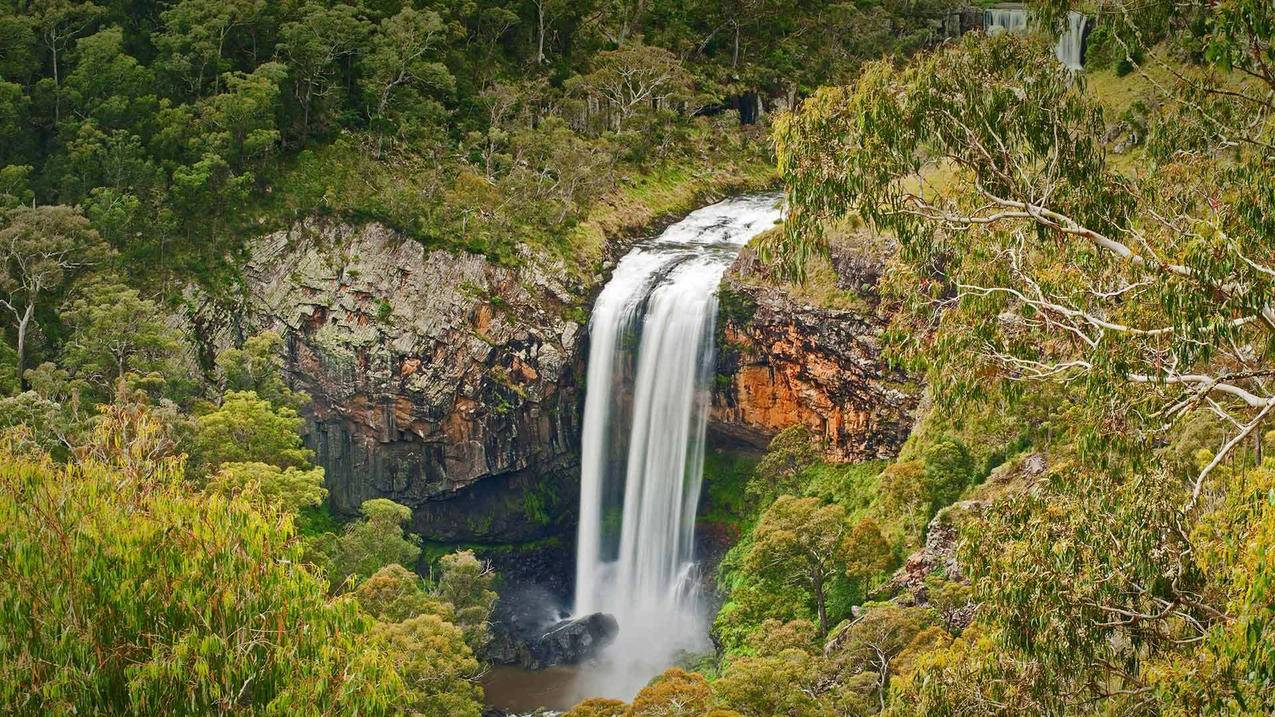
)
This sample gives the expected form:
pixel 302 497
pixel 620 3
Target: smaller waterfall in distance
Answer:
pixel 646 407
pixel 1000 19
pixel 1070 48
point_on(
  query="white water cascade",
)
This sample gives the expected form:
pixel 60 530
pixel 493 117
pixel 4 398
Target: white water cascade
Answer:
pixel 1071 43
pixel 1005 19
pixel 1070 47
pixel 646 406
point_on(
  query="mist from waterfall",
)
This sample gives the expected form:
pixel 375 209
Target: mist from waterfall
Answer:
pixel 646 406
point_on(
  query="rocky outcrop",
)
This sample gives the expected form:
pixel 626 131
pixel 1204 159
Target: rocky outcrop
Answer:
pixel 441 381
pixel 565 642
pixel 938 557
pixel 784 361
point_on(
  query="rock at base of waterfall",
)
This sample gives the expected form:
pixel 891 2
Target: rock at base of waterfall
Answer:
pixel 567 642
pixel 575 640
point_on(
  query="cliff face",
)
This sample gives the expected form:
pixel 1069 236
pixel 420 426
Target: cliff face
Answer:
pixel 440 381
pixel 454 386
pixel 784 361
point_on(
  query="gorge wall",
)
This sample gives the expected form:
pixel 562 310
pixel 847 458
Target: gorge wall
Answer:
pixel 454 385
pixel 438 380
pixel 784 360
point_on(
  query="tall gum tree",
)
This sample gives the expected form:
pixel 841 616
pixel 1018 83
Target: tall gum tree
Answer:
pixel 1030 265
pixel 42 250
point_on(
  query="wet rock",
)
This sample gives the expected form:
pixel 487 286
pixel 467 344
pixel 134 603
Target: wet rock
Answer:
pixel 576 640
pixel 565 642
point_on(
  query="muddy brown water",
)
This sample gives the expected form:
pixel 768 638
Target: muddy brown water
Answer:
pixel 523 691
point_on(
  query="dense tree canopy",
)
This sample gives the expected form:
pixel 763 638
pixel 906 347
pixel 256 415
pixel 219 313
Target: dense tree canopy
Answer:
pixel 105 611
pixel 1135 304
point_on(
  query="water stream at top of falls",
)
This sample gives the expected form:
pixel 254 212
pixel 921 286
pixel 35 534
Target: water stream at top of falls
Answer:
pixel 646 406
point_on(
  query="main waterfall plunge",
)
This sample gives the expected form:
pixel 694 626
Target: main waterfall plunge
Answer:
pixel 646 405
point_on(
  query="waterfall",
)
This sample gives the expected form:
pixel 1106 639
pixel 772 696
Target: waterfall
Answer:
pixel 1005 19
pixel 1071 43
pixel 646 406
pixel 1070 48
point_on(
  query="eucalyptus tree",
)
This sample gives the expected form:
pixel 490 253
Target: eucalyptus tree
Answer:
pixel 315 43
pixel 1152 289
pixel 1139 304
pixel 801 542
pixel 127 593
pixel 42 249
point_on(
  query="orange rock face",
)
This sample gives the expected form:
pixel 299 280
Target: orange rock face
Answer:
pixel 783 363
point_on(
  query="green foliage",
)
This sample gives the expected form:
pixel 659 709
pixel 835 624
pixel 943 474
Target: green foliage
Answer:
pixel 726 477
pixel 791 452
pixel 248 429
pixel 257 366
pixel 313 521
pixel 735 307
pixel 179 128
pixel 766 587
pixel 177 588
pixel 1121 313
pixel 798 541
pixel 466 583
pixel 773 637
pixel 42 249
pixel 946 470
pixel 291 489
pixel 780 684
pixel 395 594
pixel 115 335
pixel 598 707
pixel 367 545
pixel 869 647
pixel 437 668
pixel 673 693
pixel 402 68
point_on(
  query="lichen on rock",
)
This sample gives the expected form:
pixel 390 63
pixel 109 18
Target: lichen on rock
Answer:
pixel 429 372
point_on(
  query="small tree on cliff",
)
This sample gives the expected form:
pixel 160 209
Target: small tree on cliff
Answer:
pixel 257 366
pixel 246 428
pixel 466 584
pixel 800 542
pixel 372 543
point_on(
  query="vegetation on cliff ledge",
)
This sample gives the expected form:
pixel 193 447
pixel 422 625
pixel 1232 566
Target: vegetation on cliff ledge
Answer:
pixel 1082 517
pixel 1081 269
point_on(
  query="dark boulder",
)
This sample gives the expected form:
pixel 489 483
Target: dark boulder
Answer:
pixel 566 642
pixel 575 640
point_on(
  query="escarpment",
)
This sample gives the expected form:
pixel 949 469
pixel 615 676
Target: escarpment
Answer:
pixel 454 385
pixel 439 380
pixel 784 360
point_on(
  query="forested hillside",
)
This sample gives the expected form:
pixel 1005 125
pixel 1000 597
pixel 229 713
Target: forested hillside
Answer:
pixel 165 546
pixel 1065 281
pixel 1080 522
pixel 178 128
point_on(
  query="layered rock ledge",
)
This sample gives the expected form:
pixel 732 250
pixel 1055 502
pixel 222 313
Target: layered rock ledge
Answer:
pixel 785 360
pixel 441 381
